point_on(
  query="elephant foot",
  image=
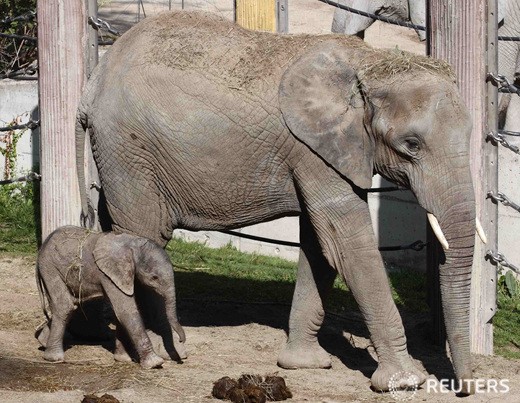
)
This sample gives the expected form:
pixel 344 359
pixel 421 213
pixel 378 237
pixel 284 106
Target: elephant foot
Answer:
pixel 299 356
pixel 152 360
pixel 391 376
pixel 53 356
pixel 122 356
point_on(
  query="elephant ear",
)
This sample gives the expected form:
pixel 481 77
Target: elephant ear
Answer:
pixel 323 106
pixel 115 259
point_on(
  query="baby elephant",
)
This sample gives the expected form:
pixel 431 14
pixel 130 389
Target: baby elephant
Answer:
pixel 76 265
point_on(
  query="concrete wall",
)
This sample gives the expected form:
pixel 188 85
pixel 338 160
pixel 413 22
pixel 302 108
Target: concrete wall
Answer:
pixel 20 98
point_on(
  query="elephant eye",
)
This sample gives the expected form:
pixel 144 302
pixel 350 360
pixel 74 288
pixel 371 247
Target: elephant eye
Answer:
pixel 413 145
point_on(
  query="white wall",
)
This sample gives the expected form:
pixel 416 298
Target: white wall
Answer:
pixel 20 98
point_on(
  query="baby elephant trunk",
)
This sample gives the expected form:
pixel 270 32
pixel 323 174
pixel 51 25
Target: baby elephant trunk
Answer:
pixel 171 314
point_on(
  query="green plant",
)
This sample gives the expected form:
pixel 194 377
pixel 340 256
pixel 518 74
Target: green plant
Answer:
pixel 16 54
pixel 18 218
pixel 507 319
pixel 9 152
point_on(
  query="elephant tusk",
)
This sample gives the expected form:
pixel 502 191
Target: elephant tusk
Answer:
pixel 438 231
pixel 480 231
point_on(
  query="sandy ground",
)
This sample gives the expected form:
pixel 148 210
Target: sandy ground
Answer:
pixel 222 338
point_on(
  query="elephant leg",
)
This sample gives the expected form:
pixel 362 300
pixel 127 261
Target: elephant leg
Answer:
pixel 62 310
pixel 128 316
pixel 354 249
pixel 314 280
pixel 343 227
pixel 120 352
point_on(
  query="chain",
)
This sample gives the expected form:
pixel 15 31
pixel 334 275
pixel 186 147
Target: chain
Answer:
pixel 102 24
pixel 504 85
pixel 498 138
pixel 499 258
pixel 502 198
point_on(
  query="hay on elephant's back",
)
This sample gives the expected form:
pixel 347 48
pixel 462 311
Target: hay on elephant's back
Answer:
pixel 389 63
pixel 212 45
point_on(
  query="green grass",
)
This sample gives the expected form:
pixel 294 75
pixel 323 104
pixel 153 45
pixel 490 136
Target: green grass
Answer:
pixel 226 274
pixel 17 219
pixel 506 329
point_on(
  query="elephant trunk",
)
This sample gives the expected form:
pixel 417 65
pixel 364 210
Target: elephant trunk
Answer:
pixel 458 224
pixel 455 211
pixel 171 314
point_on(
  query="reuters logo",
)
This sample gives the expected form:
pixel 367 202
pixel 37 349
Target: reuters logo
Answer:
pixel 403 386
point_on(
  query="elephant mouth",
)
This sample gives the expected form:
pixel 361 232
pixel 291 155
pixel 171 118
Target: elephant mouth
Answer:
pixel 437 230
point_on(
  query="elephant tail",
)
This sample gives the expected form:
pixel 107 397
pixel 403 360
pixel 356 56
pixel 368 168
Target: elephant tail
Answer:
pixel 43 294
pixel 87 211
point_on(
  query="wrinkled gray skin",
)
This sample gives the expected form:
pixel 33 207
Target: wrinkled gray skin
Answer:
pixel 75 265
pixel 196 123
pixel 345 22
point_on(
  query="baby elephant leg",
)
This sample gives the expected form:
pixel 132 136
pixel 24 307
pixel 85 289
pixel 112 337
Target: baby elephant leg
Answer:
pixel 62 309
pixel 121 353
pixel 129 317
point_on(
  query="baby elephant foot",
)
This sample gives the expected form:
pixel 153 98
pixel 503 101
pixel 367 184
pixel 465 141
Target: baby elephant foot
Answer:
pixel 396 377
pixel 53 355
pixel 152 360
pixel 308 355
pixel 122 356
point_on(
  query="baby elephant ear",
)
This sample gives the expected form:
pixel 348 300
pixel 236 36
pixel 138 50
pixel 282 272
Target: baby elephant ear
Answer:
pixel 114 257
pixel 322 104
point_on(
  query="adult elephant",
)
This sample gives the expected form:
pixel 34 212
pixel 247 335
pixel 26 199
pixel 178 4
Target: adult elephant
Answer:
pixel 345 22
pixel 199 124
pixel 401 11
pixel 509 63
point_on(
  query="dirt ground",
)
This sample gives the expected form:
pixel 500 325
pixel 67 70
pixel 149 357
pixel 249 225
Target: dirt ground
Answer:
pixel 222 338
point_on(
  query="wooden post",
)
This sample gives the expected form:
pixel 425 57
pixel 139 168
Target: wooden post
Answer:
pixel 459 33
pixel 61 61
pixel 262 15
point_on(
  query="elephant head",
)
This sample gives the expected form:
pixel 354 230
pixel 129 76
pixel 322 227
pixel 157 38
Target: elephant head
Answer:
pixel 398 10
pixel 398 115
pixel 124 257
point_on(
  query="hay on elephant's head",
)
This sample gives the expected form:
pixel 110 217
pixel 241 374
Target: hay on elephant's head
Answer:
pixel 389 63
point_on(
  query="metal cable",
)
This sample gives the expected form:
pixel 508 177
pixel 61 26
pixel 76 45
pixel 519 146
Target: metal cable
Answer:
pixel 19 37
pixel 22 74
pixel 497 138
pixel 31 124
pixel 28 16
pixel 374 16
pixel 401 24
pixel 509 133
pixel 102 24
pixel 503 84
pixel 416 246
pixel 499 258
pixel 502 198
pixel 30 177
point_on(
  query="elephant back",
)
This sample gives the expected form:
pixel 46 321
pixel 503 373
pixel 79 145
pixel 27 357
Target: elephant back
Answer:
pixel 67 248
pixel 213 46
